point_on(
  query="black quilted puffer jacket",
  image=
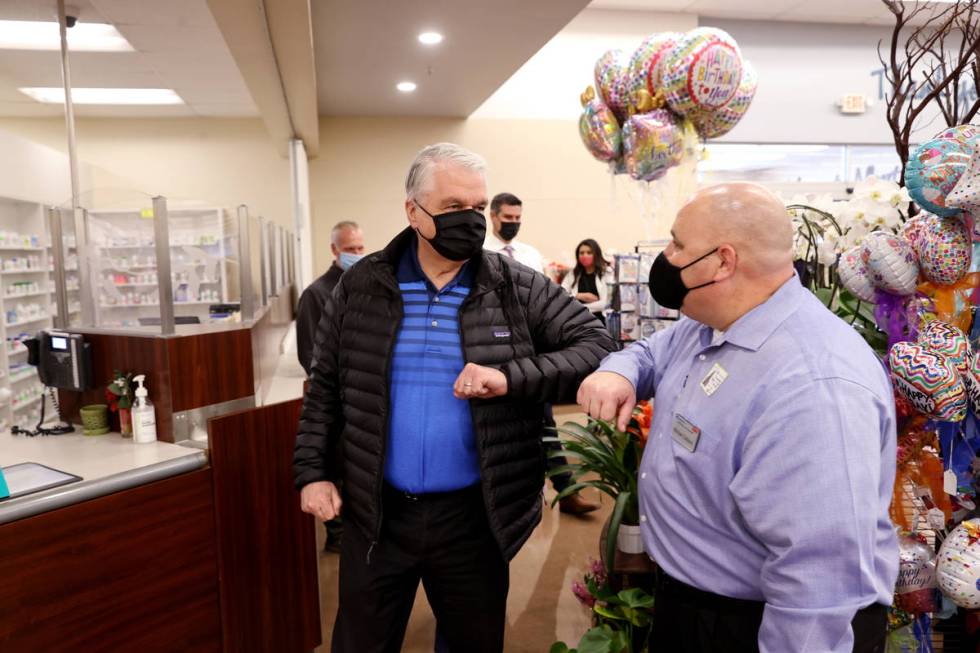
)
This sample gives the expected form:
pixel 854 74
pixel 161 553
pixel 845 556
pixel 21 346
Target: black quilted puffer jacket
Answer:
pixel 555 342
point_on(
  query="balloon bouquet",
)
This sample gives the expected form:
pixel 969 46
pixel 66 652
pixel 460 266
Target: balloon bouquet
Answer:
pixel 651 108
pixel 926 296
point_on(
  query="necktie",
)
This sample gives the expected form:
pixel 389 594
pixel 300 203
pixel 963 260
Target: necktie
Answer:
pixel 508 250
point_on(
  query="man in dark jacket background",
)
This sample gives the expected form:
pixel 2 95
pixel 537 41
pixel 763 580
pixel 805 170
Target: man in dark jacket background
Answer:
pixel 434 360
pixel 347 247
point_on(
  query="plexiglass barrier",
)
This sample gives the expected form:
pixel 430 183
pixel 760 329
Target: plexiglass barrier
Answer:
pixel 213 268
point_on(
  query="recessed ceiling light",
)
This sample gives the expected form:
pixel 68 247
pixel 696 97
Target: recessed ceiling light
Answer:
pixel 430 38
pixel 406 87
pixel 56 95
pixel 43 35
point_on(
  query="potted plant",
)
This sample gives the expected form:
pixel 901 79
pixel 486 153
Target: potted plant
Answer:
pixel 621 620
pixel 604 458
pixel 120 398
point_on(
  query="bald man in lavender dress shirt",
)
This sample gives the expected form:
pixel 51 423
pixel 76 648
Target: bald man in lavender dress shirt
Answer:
pixel 765 484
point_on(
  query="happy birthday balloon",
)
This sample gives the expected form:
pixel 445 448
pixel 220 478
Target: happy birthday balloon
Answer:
pixel 712 124
pixel 945 339
pixel 890 262
pixel 915 589
pixel 958 565
pixel 971 379
pixel 966 193
pixel 652 143
pixel 929 381
pixel 933 171
pixel 854 275
pixel 703 71
pixel 612 82
pixel 647 62
pixel 912 230
pixel 599 131
pixel 945 249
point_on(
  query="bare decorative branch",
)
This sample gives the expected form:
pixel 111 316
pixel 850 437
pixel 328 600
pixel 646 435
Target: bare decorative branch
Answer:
pixel 933 58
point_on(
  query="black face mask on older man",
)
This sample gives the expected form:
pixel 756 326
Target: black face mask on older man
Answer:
pixel 666 285
pixel 459 234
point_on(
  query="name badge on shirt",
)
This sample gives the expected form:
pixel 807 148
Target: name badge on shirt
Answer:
pixel 685 433
pixel 713 380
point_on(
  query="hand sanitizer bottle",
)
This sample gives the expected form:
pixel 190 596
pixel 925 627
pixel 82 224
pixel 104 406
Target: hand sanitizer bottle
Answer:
pixel 144 417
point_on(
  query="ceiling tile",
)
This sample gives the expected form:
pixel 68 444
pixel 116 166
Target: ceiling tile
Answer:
pixel 641 5
pixel 235 110
pixel 29 109
pixel 183 13
pixel 203 41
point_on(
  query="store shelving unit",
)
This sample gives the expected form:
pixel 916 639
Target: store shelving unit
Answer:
pixel 124 270
pixel 25 306
pixel 635 315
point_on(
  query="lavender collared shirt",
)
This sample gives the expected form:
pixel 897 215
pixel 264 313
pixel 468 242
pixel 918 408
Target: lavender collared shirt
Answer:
pixel 785 496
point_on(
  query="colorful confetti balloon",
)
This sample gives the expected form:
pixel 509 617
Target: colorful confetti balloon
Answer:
pixel 712 124
pixel 949 341
pixel 966 193
pixel 703 71
pixel 854 275
pixel 945 249
pixel 600 131
pixel 933 171
pixel 652 143
pixel 958 565
pixel 890 262
pixel 929 381
pixel 612 82
pixel 647 62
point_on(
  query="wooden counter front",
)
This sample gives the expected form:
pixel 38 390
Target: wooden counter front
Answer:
pixel 131 571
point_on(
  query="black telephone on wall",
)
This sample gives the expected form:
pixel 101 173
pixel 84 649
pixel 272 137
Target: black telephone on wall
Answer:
pixel 63 360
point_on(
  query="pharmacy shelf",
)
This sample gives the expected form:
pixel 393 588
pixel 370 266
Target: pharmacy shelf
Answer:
pixel 30 403
pixel 34 271
pixel 21 249
pixel 111 306
pixel 24 376
pixel 26 295
pixel 33 320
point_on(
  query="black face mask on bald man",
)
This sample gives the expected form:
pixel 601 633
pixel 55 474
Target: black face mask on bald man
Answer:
pixel 666 285
pixel 459 234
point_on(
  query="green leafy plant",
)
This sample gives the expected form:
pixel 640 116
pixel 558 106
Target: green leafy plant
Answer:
pixel 622 622
pixel 608 460
pixel 119 393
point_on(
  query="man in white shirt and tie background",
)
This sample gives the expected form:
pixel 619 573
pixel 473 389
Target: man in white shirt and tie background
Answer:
pixel 506 211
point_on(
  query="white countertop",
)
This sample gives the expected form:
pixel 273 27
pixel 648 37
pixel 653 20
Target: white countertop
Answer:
pixel 106 463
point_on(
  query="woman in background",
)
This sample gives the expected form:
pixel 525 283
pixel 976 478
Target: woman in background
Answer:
pixel 586 282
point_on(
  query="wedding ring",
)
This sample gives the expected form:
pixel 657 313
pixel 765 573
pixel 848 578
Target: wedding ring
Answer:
pixel 467 384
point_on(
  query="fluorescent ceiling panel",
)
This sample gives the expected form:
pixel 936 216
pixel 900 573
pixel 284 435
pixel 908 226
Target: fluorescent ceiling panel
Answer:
pixel 42 35
pixel 118 96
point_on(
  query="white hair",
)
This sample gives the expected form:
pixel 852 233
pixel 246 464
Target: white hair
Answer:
pixel 341 226
pixel 431 155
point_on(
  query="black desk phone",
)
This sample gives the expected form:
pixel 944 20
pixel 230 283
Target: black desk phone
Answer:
pixel 63 360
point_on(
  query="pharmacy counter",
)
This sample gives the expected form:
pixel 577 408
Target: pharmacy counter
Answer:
pixel 106 464
pixel 162 547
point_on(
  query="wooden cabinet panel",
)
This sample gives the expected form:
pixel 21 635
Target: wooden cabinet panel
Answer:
pixel 131 571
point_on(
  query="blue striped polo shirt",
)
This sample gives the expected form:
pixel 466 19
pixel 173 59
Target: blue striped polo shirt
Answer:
pixel 431 441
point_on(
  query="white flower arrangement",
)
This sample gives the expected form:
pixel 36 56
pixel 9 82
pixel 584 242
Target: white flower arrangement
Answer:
pixel 875 205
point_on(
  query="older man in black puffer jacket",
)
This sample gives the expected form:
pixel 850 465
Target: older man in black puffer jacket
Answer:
pixel 433 362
